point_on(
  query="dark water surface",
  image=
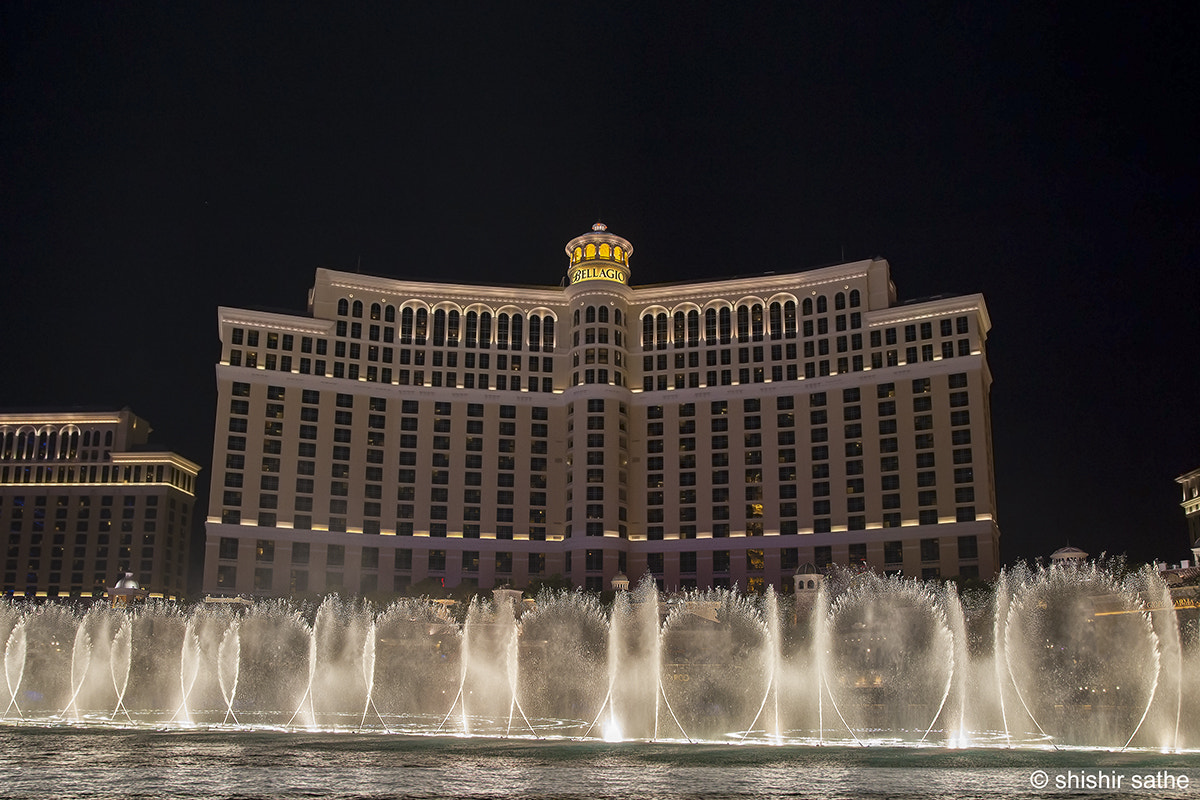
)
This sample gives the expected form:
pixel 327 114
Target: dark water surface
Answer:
pixel 67 762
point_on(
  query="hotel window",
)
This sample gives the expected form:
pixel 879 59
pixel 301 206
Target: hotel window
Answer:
pixel 930 550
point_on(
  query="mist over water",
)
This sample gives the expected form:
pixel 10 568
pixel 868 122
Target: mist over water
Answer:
pixel 1058 658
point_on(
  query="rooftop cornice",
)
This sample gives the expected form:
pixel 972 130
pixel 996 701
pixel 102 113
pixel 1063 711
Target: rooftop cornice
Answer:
pixel 61 418
pixel 755 284
pixel 1187 476
pixel 925 309
pixel 272 320
pixel 156 457
pixel 405 288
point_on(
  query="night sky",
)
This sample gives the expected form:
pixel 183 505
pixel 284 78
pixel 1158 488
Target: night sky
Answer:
pixel 158 161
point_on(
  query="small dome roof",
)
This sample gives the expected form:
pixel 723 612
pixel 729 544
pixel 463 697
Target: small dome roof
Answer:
pixel 807 569
pixel 1068 552
pixel 127 582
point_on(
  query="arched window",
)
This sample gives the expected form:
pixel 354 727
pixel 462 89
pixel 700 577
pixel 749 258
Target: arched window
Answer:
pixel 577 255
pixel 68 442
pixel 726 317
pixel 806 306
pixel 680 328
pixel 376 311
pixel 576 318
pixel 743 323
pixel 485 329
pixel 591 314
pixel 389 314
pixel 603 315
pixel 693 328
pixel 406 326
pixel 710 326
pixel 776 321
pixel 502 331
pixel 647 331
pixel 605 250
pixel 356 309
pixel 756 321
pixel 590 251
pixel 28 444
pixel 617 316
pixel 618 253
pixel 535 332
pixel 822 305
pixel 452 318
pixel 661 333
pixel 839 301
pixel 517 332
pixel 439 327
pixel 789 318
pixel 343 307
pixel 422 326
pixel 472 327
pixel 548 334
pixel 855 298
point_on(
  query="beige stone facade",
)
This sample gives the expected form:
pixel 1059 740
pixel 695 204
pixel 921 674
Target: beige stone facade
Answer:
pixel 709 433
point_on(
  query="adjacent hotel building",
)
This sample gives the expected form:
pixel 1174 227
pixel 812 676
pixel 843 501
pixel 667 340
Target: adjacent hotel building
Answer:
pixel 84 500
pixel 709 434
pixel 1191 506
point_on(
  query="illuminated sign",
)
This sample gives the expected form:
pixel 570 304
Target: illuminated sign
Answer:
pixel 599 274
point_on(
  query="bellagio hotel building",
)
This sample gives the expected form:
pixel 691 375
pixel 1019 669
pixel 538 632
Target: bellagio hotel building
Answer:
pixel 714 433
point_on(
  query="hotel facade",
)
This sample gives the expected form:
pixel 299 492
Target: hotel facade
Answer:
pixel 713 433
pixel 84 500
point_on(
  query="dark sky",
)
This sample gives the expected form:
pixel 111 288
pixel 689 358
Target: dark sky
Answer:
pixel 158 161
